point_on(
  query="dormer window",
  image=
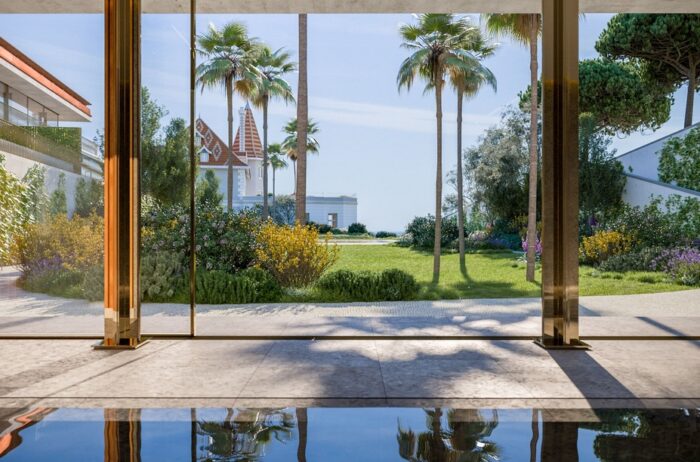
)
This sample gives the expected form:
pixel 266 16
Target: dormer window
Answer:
pixel 204 156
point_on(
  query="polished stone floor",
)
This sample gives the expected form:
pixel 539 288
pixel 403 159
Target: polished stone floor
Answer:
pixel 495 373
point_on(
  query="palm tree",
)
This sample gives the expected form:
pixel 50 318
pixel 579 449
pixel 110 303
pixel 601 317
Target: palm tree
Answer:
pixel 303 118
pixel 244 433
pixel 291 143
pixel 525 28
pixel 436 45
pixel 277 162
pixel 464 439
pixel 467 81
pixel 272 65
pixel 230 57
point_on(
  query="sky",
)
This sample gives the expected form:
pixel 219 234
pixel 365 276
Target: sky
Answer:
pixel 376 143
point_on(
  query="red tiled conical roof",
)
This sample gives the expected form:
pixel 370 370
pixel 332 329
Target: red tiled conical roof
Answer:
pixel 251 146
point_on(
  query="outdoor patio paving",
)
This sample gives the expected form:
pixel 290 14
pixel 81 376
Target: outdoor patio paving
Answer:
pixel 672 314
pixel 503 373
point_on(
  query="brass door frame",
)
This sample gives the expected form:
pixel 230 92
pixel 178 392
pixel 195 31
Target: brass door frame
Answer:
pixel 122 198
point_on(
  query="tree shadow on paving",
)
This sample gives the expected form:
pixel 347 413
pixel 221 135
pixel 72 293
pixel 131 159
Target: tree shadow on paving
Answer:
pixel 468 369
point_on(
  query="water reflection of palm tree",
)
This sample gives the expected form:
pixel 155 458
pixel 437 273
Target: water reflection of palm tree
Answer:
pixel 244 433
pixel 464 439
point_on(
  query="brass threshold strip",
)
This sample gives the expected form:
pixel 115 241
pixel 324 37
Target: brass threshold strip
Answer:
pixel 184 336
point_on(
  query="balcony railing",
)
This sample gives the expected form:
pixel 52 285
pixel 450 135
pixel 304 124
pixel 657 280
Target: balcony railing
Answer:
pixel 62 143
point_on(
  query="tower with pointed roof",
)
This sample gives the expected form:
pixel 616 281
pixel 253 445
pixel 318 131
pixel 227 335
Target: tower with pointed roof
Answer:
pixel 247 155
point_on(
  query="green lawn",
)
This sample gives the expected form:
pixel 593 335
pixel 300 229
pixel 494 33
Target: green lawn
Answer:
pixel 489 275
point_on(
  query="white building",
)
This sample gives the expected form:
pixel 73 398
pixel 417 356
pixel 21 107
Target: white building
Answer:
pixel 33 106
pixel 642 170
pixel 336 211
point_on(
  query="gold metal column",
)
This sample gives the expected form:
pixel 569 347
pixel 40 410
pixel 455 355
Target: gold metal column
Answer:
pixel 193 165
pixel 122 435
pixel 121 172
pixel 560 323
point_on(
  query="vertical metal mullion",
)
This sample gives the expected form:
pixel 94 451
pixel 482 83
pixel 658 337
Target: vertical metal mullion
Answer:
pixel 193 257
pixel 121 172
pixel 560 317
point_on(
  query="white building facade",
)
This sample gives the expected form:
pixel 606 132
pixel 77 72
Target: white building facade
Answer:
pixel 33 106
pixel 642 170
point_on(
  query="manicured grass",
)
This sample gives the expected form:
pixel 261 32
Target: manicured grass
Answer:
pixel 489 275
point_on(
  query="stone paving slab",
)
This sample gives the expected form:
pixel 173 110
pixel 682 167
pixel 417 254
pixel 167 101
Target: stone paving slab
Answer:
pixel 374 372
pixel 473 325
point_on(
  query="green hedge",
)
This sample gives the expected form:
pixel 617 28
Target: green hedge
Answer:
pixel 391 284
pixel 63 143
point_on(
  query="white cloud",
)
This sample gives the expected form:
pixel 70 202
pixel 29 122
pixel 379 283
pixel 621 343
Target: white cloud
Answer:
pixel 398 118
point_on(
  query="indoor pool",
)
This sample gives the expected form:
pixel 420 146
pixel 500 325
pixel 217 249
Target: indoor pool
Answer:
pixel 349 434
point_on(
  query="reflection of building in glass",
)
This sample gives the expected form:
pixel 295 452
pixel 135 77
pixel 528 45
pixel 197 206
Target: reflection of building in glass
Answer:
pixel 337 211
pixel 34 105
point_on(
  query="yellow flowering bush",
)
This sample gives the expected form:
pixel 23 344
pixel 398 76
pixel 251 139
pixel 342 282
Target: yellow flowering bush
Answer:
pixel 293 254
pixel 71 244
pixel 62 257
pixel 603 244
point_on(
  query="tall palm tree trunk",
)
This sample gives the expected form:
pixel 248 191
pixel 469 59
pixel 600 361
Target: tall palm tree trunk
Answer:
pixel 266 210
pixel 438 181
pixel 303 426
pixel 460 185
pixel 535 427
pixel 302 123
pixel 532 188
pixel 273 185
pixel 229 161
pixel 690 97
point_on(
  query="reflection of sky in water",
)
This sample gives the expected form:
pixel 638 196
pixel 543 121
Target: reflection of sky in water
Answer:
pixel 334 434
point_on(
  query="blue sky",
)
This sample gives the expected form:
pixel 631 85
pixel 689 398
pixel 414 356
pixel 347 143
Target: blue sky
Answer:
pixel 376 143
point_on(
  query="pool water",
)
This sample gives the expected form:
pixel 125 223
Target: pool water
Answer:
pixel 349 434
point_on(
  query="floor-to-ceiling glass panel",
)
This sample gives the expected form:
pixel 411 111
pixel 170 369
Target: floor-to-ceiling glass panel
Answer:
pixel 639 153
pixel 51 159
pixel 165 172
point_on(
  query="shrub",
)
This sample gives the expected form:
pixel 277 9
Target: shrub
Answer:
pixel 395 284
pixel 16 208
pixel 58 203
pixel 267 289
pixel 679 160
pixel 603 244
pixel 89 197
pixel 53 280
pixel 686 273
pixel 323 229
pixel 357 228
pixel 224 241
pixel 391 284
pixel 421 232
pixel 645 259
pixel 681 264
pixel 538 247
pixel 93 287
pixel 293 254
pixel 218 287
pixel 676 222
pixel 69 244
pixel 162 275
pixel 56 256
pixel 384 234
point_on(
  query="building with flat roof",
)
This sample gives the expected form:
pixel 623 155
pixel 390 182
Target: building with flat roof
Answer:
pixel 34 104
